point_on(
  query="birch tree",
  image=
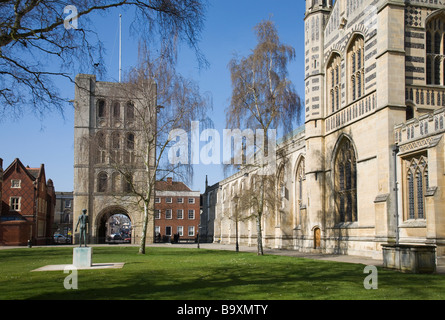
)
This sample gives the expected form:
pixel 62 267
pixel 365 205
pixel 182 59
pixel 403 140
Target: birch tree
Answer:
pixel 165 101
pixel 263 98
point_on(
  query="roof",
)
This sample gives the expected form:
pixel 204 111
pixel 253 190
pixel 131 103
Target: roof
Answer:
pixel 171 186
pixel 33 173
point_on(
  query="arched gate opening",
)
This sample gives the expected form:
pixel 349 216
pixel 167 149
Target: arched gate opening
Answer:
pixel 114 225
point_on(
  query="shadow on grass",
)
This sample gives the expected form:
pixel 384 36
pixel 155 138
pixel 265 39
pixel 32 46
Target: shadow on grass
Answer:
pixel 190 274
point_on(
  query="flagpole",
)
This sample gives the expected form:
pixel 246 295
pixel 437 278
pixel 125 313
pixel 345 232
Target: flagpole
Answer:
pixel 120 48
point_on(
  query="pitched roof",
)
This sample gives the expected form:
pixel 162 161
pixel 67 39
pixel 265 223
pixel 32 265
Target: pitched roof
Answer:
pixel 33 174
pixel 170 185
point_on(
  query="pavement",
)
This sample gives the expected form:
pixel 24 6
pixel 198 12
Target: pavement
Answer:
pixel 440 268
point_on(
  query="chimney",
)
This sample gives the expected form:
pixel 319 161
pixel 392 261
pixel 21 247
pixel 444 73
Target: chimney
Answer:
pixel 169 181
pixel 1 164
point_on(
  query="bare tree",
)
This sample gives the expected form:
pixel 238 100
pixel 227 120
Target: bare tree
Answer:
pixel 263 98
pixel 164 101
pixel 40 44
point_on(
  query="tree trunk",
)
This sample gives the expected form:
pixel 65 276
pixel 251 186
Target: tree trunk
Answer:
pixel 259 235
pixel 144 229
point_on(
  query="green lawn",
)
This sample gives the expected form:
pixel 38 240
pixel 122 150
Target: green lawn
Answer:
pixel 174 273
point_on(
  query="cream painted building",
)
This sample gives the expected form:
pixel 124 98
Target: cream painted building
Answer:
pixel 108 137
pixel 368 166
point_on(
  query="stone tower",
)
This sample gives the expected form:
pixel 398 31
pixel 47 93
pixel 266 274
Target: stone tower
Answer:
pixel 316 17
pixel 107 137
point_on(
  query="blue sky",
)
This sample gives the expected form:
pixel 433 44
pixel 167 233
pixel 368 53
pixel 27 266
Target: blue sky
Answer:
pixel 228 30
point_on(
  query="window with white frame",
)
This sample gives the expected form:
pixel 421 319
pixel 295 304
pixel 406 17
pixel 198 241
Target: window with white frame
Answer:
pixel 14 203
pixel 168 231
pixel 191 231
pixel 15 184
pixel 157 230
pixel 191 200
pixel 168 200
pixel 191 214
pixel 180 200
pixel 157 200
pixel 180 231
pixel 168 214
pixel 180 214
pixel 157 214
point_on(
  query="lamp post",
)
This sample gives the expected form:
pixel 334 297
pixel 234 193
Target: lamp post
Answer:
pixel 396 190
pixel 235 201
pixel 199 227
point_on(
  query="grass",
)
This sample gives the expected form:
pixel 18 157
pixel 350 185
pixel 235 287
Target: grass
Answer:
pixel 192 274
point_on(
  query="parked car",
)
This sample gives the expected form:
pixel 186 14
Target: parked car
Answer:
pixel 60 238
pixel 116 236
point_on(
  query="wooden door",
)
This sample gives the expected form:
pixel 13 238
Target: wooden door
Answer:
pixel 317 237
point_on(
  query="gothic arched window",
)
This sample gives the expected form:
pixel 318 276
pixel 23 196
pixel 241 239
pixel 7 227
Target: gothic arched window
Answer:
pixel 102 182
pixel 101 109
pixel 334 83
pixel 345 181
pixel 416 186
pixel 300 180
pixel 435 50
pixel 115 182
pixel 116 140
pixel 356 69
pixel 115 153
pixel 128 182
pixel 116 110
pixel 429 70
pixel 130 141
pixel 101 143
pixel 130 111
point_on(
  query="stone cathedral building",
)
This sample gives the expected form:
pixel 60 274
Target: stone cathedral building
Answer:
pixel 367 168
pixel 108 137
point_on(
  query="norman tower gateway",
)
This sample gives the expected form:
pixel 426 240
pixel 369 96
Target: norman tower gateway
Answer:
pixel 108 137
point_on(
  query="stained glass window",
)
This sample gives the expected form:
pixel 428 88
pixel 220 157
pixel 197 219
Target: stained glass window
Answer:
pixel 356 70
pixel 437 71
pixel 411 195
pixel 417 184
pixel 435 49
pixel 334 68
pixel 346 181
pixel 419 179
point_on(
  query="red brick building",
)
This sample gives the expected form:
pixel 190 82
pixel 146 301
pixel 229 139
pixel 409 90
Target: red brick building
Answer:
pixel 177 211
pixel 27 206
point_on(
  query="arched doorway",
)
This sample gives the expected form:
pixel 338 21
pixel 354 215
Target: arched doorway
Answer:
pixel 114 225
pixel 317 238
